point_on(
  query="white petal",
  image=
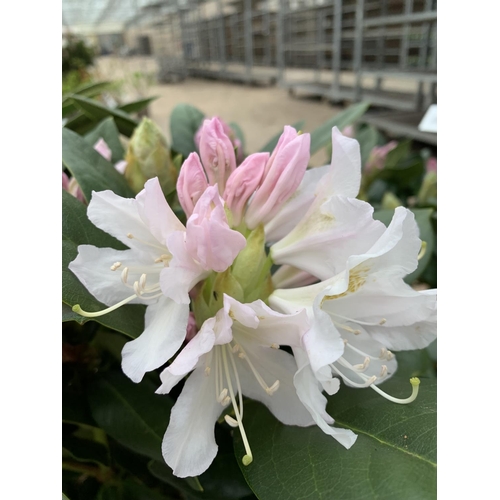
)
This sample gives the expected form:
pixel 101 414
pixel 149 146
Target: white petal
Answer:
pixel 119 216
pixel 396 251
pixel 165 323
pixel 309 393
pixel 92 267
pixel 296 206
pixel 291 277
pixel 156 213
pixel 189 445
pixel 325 238
pixel 272 365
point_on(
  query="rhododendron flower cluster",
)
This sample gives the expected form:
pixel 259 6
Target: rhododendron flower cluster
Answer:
pixel 272 254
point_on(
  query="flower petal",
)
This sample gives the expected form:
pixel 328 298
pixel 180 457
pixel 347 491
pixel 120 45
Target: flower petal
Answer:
pixel 92 267
pixel 165 331
pixel 189 445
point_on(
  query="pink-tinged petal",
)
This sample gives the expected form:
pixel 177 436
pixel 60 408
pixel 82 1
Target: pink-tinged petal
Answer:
pixel 378 155
pixel 92 267
pixel 191 183
pixel 217 153
pixel 297 205
pixel 191 329
pixel 119 217
pixel 165 331
pixel 121 166
pixel 309 393
pixel 272 365
pixel 209 240
pixel 284 172
pixel 344 178
pixel 328 235
pixel 243 182
pixel 103 149
pixel 156 213
pixel 65 181
pixel 183 273
pixel 189 445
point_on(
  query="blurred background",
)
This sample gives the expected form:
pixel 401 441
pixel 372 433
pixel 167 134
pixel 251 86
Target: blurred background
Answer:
pixel 261 63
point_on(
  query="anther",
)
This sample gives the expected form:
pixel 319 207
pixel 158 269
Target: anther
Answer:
pixel 130 236
pixel 222 395
pixel 383 371
pixel 275 346
pixel 423 249
pixel 125 275
pixel 226 401
pixel 386 354
pixel 241 355
pixel 271 390
pixel 137 290
pixel 231 421
pixel 115 266
pixel 362 367
pixel 235 348
pixel 142 281
pixel 207 371
pixel 383 321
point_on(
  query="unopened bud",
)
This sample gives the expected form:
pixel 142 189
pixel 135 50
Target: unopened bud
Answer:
pixel 191 183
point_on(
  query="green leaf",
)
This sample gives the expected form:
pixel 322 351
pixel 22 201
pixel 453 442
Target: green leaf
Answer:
pixel 136 106
pixel 427 234
pixel 87 90
pixel 322 136
pixel 185 120
pixel 84 450
pixel 130 413
pixel 108 131
pixel 393 458
pixel 64 497
pixel 95 112
pixel 271 144
pixel 78 230
pixel 368 137
pixel 90 169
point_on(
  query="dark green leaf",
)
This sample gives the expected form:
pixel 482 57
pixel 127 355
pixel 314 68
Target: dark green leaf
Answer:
pixel 95 112
pixel 271 144
pixel 108 131
pixel 136 106
pixel 84 450
pixel 136 491
pixel 322 136
pixel 131 413
pixel 87 90
pixel 393 458
pixel 368 137
pixel 80 123
pixel 427 234
pixel 90 169
pixel 185 120
pixel 64 497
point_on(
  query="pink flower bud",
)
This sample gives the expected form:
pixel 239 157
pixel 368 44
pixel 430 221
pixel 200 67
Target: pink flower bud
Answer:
pixel 121 166
pixel 217 153
pixel 103 149
pixel 209 239
pixel 283 174
pixel 349 132
pixel 191 183
pixel 378 155
pixel 243 182
pixel 431 165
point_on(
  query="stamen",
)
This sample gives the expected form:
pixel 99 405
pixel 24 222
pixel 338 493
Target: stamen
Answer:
pixel 76 308
pixel 383 371
pixel 248 458
pixel 231 421
pixel 367 383
pixel 142 281
pixel 226 401
pixel 207 371
pixel 415 382
pixel 383 321
pixel 366 323
pixel 222 395
pixel 124 275
pixel 235 348
pixel 115 266
pixel 386 354
pixel 257 375
pixel 137 290
pixel 362 367
pixel 238 385
pixel 130 236
pixel 275 346
pixel 271 390
pixel 347 328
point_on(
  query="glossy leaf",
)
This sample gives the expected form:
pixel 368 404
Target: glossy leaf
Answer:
pixel 131 413
pixel 108 131
pixel 84 450
pixel 87 90
pixel 393 458
pixel 185 120
pixel 95 112
pixel 322 136
pixel 89 168
pixel 137 106
pixel 427 234
pixel 271 144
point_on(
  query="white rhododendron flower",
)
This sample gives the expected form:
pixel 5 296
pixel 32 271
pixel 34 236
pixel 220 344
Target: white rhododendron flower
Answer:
pixel 335 296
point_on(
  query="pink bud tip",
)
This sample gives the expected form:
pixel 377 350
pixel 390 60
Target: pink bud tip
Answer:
pixel 191 183
pixel 103 149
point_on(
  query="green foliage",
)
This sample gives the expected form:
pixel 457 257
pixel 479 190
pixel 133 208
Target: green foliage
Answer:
pixel 185 120
pixel 76 55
